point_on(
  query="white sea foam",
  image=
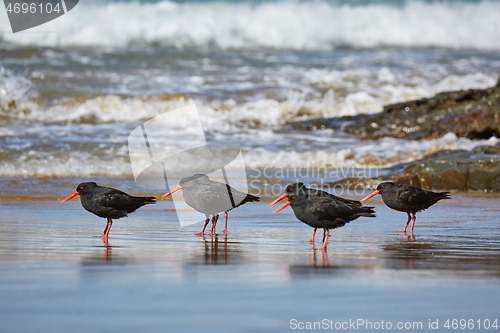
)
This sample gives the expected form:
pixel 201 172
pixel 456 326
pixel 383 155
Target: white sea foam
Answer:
pixel 73 148
pixel 17 102
pixel 283 24
pixel 15 90
pixel 76 163
pixel 385 152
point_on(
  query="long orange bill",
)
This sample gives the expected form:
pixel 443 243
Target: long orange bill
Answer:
pixel 374 193
pixel 71 196
pixel 281 197
pixel 175 190
pixel 283 206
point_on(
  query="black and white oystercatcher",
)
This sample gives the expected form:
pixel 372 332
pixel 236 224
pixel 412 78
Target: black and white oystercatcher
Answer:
pixel 211 198
pixel 324 212
pixel 407 198
pixel 108 202
pixel 312 192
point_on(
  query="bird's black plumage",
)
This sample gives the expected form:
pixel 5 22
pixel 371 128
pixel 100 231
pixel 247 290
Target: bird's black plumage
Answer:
pixel 301 187
pixel 325 211
pixel 108 202
pixel 211 197
pixel 407 198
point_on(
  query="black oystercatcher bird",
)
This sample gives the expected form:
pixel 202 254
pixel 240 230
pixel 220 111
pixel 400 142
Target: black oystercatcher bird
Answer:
pixel 407 198
pixel 108 202
pixel 324 212
pixel 312 192
pixel 211 198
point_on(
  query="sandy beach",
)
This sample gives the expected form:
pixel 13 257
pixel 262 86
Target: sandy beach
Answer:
pixel 338 94
pixel 57 276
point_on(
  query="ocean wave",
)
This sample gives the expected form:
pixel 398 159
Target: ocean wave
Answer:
pixel 299 25
pixel 115 162
pixel 383 153
pixel 19 101
pixel 15 90
pixel 76 163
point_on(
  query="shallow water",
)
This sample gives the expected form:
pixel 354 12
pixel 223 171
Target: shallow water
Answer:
pixel 155 276
pixel 73 90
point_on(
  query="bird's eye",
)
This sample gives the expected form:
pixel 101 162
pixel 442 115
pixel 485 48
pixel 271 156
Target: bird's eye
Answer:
pixel 291 189
pixel 382 186
pixel 81 187
pixel 294 197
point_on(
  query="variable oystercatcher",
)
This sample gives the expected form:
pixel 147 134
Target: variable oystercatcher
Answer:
pixel 314 192
pixel 324 212
pixel 407 198
pixel 108 202
pixel 211 198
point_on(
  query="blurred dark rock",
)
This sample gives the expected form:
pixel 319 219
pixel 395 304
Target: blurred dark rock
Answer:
pixel 459 170
pixel 474 114
pixel 462 170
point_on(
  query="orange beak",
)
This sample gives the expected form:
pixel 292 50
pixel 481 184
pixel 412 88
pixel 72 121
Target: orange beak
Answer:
pixel 71 196
pixel 281 197
pixel 374 193
pixel 283 206
pixel 175 190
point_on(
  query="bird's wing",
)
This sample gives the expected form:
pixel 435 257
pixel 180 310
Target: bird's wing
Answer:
pixel 333 196
pixel 326 207
pixel 114 199
pixel 347 201
pixel 223 191
pixel 412 195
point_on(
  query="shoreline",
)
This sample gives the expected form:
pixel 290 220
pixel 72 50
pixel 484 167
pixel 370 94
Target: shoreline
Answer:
pixel 56 189
pixel 263 198
pixel 58 276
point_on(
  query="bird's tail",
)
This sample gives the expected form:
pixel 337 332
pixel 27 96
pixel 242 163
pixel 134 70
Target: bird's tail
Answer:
pixel 367 211
pixel 251 198
pixel 248 198
pixel 444 195
pixel 144 200
pixel 137 202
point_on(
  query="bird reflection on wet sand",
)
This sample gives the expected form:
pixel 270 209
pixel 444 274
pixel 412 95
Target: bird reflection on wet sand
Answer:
pixel 266 262
pixel 324 259
pixel 101 257
pixel 213 249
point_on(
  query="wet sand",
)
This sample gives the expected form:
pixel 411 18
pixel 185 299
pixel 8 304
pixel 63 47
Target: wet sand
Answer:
pixel 57 276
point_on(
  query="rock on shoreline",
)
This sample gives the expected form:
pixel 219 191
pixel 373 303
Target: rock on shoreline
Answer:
pixel 461 170
pixel 474 114
pixel 458 170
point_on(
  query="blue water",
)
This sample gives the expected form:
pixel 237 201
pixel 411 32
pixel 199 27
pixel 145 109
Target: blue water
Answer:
pixel 156 276
pixel 71 91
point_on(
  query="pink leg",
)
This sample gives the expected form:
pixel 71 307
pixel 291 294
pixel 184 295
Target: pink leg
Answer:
pixel 407 222
pixel 312 237
pixel 105 233
pixel 225 223
pixel 214 223
pixel 324 244
pixel 202 232
pixel 414 219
